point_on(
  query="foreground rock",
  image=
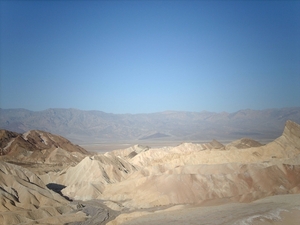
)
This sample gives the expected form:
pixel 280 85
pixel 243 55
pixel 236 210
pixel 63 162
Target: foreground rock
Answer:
pixel 25 199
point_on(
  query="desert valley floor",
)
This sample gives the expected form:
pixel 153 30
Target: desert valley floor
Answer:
pixel 45 179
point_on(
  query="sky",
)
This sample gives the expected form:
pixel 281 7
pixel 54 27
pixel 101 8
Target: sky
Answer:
pixel 150 56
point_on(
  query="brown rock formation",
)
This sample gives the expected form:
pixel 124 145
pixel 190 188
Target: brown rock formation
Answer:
pixel 39 147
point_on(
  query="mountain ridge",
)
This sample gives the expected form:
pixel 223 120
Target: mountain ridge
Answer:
pixel 81 126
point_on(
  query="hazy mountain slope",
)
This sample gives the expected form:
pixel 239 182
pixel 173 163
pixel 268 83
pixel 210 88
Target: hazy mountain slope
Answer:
pixel 92 126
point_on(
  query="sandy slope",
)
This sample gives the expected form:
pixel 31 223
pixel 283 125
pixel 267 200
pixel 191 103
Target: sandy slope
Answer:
pixel 281 209
pixel 25 199
pixel 88 179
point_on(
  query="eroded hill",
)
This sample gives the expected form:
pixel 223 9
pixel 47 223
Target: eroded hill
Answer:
pixel 142 177
pixel 139 180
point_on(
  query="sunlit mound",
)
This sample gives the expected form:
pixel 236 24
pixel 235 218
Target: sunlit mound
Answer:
pixel 88 179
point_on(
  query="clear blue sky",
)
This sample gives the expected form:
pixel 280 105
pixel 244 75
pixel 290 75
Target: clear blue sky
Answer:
pixel 150 56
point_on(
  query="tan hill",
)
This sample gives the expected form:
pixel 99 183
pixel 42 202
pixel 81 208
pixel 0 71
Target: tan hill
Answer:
pixel 39 148
pixel 187 174
pixel 87 179
pixel 199 184
pixel 25 199
pixel 243 143
pixel 232 177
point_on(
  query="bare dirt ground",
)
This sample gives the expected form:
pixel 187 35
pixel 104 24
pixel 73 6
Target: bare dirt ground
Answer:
pixel 279 210
pixel 96 211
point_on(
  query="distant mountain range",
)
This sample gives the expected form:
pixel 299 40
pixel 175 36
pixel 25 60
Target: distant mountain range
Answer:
pixel 96 126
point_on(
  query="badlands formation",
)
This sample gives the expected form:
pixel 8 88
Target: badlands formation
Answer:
pixel 243 182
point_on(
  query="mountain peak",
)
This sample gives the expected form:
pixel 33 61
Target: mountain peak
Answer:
pixel 292 131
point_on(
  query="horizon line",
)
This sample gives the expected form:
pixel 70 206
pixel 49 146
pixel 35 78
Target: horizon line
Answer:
pixel 164 111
